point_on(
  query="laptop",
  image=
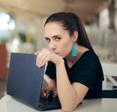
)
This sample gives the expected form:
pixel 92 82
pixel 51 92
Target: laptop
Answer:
pixel 25 81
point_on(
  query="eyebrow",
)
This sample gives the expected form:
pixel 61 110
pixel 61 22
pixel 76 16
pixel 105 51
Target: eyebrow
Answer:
pixel 54 36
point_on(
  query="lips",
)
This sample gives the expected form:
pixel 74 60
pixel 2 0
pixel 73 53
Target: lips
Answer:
pixel 56 53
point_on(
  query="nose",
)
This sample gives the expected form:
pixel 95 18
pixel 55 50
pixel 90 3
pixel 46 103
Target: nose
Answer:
pixel 52 46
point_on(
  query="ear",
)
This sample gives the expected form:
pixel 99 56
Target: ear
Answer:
pixel 75 36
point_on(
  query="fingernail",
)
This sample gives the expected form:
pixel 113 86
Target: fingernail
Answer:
pixel 44 94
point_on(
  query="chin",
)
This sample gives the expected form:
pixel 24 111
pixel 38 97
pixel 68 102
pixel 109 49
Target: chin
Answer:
pixel 63 56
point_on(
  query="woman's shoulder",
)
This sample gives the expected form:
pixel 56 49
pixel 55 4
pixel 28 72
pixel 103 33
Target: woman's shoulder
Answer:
pixel 89 57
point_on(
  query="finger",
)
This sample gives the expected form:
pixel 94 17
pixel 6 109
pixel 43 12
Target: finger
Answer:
pixel 42 60
pixel 43 57
pixel 38 59
pixel 55 94
pixel 36 52
pixel 44 94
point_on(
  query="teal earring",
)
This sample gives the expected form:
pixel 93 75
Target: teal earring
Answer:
pixel 74 52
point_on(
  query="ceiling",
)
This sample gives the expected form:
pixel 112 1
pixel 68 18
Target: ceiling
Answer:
pixel 86 9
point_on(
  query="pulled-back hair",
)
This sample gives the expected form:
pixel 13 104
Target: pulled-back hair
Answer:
pixel 71 23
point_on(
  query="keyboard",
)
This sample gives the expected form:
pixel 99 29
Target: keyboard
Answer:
pixel 49 103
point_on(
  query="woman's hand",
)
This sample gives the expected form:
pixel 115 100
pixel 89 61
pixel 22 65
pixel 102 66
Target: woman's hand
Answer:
pixel 49 88
pixel 46 55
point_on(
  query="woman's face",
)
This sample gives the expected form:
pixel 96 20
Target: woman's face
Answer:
pixel 59 40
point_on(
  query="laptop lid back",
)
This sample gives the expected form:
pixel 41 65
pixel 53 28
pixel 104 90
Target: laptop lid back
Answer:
pixel 25 78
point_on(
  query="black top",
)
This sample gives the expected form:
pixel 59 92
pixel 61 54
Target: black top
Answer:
pixel 87 71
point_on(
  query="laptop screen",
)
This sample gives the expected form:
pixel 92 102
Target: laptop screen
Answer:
pixel 25 78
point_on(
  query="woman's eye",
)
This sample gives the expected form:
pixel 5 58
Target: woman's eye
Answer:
pixel 57 38
pixel 47 40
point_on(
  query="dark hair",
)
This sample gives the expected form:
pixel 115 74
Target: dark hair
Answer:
pixel 71 23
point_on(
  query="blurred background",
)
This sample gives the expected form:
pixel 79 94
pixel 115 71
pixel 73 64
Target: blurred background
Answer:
pixel 21 23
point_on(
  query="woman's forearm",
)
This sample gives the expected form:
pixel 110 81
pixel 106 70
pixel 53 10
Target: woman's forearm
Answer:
pixel 67 94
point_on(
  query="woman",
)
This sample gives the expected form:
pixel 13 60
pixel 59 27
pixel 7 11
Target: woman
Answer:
pixel 74 71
